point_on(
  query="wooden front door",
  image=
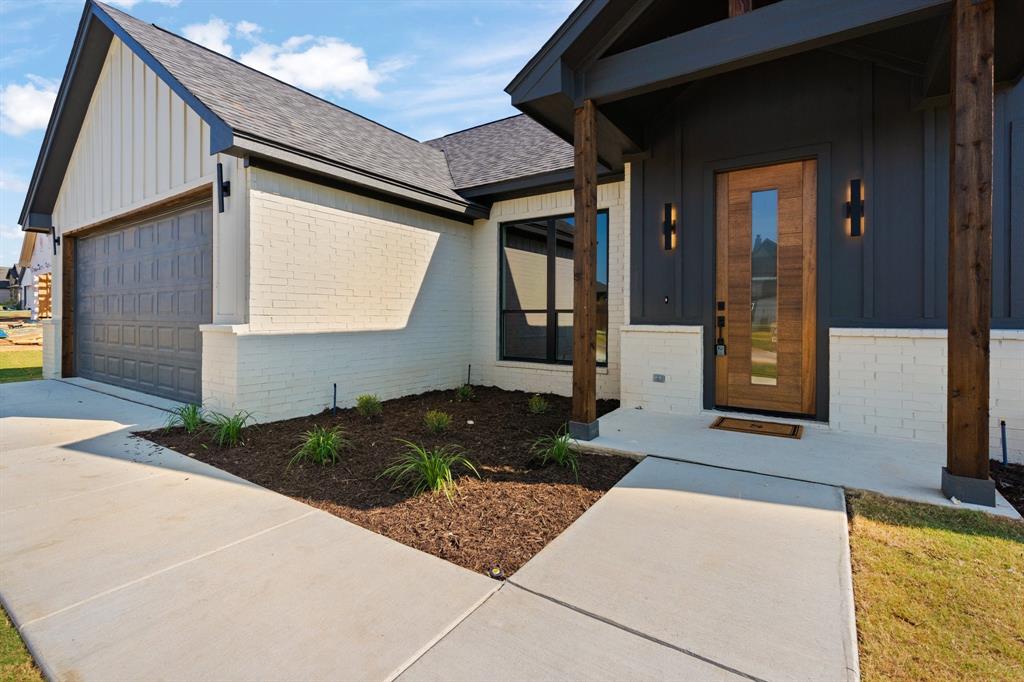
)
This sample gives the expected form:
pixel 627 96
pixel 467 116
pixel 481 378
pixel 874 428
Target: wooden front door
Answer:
pixel 766 273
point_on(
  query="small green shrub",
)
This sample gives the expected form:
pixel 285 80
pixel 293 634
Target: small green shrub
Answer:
pixel 320 445
pixel 190 417
pixel 465 393
pixel 437 421
pixel 559 449
pixel 538 405
pixel 369 406
pixel 227 430
pixel 421 469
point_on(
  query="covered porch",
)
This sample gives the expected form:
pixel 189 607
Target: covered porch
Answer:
pixel 873 121
pixel 896 467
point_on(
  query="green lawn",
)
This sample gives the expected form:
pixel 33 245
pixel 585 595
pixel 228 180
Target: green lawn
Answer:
pixel 15 663
pixel 21 365
pixel 938 591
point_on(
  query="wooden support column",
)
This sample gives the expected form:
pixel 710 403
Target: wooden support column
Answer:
pixel 738 7
pixel 584 320
pixel 970 251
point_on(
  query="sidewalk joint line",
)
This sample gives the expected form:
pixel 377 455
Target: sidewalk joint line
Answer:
pixel 638 633
pixel 401 670
pixel 165 569
pixel 745 471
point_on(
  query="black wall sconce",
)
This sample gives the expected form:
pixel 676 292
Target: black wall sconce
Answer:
pixel 223 188
pixel 855 209
pixel 668 228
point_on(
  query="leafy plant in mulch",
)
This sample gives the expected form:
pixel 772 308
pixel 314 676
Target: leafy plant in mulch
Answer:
pixel 538 405
pixel 465 393
pixel 320 445
pixel 369 406
pixel 227 430
pixel 190 417
pixel 558 449
pixel 421 469
pixel 437 421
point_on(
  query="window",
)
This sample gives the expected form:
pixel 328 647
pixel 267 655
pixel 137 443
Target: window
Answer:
pixel 536 289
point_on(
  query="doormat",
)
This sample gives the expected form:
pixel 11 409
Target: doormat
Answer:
pixel 758 427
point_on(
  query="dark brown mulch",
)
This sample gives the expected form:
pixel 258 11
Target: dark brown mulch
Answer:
pixel 1009 480
pixel 502 519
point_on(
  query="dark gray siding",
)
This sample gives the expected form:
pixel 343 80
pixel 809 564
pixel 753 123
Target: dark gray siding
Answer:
pixel 868 124
pixel 860 121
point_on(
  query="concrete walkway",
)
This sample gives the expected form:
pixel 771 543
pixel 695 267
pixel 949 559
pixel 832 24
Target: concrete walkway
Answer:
pixel 121 560
pixel 714 574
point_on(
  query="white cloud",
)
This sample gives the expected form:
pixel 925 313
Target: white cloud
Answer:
pixel 213 34
pixel 25 107
pixel 321 63
pixel 12 183
pixel 247 29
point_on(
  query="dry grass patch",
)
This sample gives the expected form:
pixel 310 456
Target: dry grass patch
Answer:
pixel 939 591
pixel 15 663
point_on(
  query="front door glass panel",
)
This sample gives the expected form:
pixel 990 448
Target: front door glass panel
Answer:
pixel 764 278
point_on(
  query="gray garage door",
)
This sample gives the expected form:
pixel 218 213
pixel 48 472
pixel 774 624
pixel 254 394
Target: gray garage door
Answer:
pixel 141 293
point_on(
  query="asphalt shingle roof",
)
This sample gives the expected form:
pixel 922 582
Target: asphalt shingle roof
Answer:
pixel 255 103
pixel 503 150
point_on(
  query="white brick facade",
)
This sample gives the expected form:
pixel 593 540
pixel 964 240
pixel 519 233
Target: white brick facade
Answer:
pixel 892 382
pixel 488 369
pixel 343 289
pixel 675 353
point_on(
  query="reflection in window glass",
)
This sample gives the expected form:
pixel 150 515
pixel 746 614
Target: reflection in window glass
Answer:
pixel 764 277
pixel 536 317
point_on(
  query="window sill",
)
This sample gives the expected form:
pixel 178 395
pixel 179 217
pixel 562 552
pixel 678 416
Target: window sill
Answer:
pixel 541 366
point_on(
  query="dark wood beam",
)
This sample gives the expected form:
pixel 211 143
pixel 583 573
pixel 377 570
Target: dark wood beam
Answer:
pixel 584 325
pixel 738 7
pixel 774 31
pixel 67 305
pixel 970 237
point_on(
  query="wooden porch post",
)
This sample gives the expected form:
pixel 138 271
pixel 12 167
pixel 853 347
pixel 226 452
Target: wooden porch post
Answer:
pixel 738 7
pixel 584 326
pixel 970 251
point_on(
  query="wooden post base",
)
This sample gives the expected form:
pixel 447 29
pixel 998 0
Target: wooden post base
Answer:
pixel 968 489
pixel 584 430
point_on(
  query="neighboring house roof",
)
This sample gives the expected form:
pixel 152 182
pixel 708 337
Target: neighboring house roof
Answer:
pixel 513 147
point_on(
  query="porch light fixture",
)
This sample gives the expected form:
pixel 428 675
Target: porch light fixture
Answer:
pixel 223 188
pixel 855 209
pixel 668 228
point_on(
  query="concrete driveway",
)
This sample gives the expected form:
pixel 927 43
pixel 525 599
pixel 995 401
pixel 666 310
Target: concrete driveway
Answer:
pixel 121 560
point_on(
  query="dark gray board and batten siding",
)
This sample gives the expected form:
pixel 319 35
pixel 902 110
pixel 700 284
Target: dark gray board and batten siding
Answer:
pixel 860 121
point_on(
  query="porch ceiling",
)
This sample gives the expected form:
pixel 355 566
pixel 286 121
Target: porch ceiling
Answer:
pixel 619 55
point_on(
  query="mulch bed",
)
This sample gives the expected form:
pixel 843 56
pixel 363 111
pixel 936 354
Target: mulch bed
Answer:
pixel 501 519
pixel 1009 480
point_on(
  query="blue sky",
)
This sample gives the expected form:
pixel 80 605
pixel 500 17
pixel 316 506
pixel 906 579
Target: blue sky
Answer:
pixel 422 67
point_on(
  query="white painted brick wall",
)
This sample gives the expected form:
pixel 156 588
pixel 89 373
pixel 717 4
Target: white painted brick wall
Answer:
pixel 344 289
pixel 51 329
pixel 892 382
pixel 674 351
pixel 488 369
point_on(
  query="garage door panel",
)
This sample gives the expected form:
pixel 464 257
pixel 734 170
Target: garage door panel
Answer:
pixel 142 292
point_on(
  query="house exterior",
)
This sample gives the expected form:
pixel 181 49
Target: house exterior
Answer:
pixel 228 239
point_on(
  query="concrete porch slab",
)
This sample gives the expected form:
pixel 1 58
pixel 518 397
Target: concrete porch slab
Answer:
pixel 896 467
pixel 749 571
pixel 517 635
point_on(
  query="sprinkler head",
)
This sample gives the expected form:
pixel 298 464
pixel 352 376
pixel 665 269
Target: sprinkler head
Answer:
pixel 496 573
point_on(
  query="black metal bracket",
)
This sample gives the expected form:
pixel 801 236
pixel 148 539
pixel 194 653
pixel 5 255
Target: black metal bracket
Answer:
pixel 56 239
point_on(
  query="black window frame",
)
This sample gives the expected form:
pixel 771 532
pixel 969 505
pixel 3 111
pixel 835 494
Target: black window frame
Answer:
pixel 551 311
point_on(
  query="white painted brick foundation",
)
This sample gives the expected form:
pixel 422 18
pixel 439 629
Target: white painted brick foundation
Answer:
pixel 892 382
pixel 488 369
pixel 343 289
pixel 676 352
